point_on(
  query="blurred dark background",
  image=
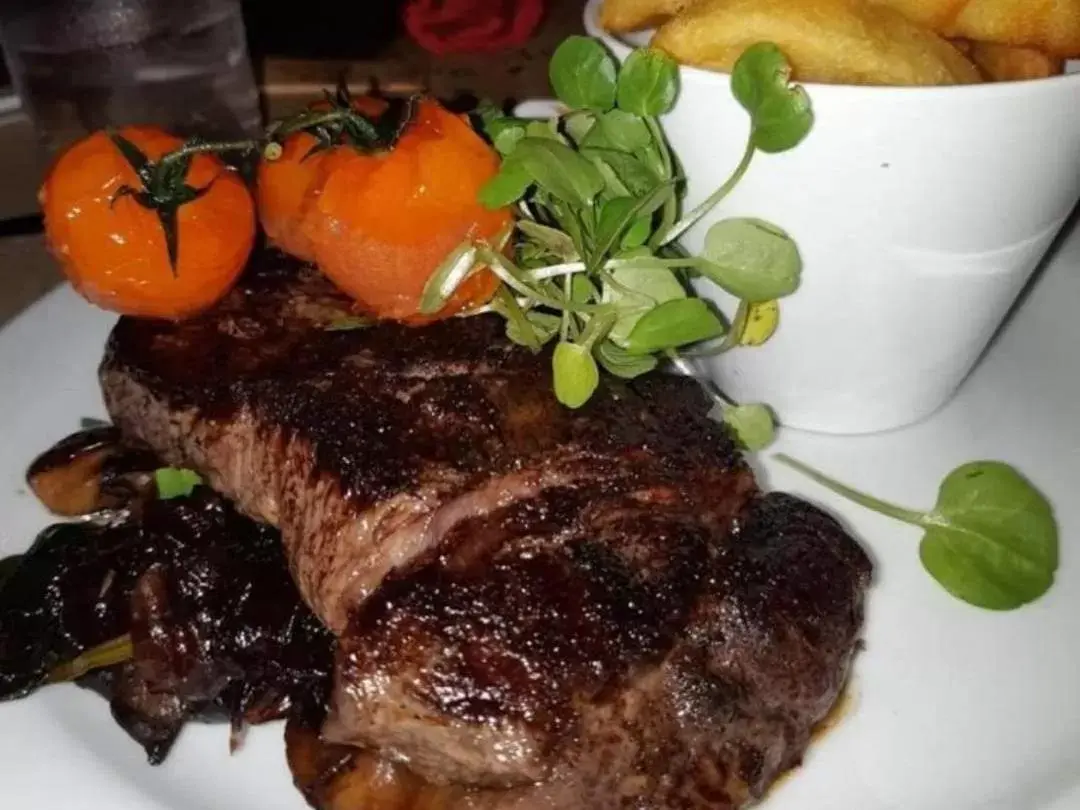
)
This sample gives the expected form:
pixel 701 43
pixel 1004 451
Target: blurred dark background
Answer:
pixel 322 29
pixel 297 54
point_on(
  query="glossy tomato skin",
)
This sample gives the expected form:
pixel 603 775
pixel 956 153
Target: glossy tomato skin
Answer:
pixel 378 225
pixel 113 249
pixel 288 187
pixel 385 229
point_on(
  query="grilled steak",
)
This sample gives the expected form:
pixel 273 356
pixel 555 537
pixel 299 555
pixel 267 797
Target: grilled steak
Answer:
pixel 708 725
pixel 511 582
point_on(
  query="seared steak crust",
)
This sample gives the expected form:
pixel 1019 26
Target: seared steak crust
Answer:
pixel 588 615
pixel 588 608
pixel 351 440
pixel 727 706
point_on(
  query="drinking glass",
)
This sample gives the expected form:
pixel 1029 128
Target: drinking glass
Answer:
pixel 82 65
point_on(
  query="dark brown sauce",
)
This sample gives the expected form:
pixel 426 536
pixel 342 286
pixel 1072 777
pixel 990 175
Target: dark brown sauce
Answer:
pixel 218 628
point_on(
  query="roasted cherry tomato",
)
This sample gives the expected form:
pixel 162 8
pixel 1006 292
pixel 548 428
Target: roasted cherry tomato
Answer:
pixel 378 222
pixel 289 185
pixel 144 236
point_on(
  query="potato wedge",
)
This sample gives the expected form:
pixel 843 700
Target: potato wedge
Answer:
pixel 620 16
pixel 1006 63
pixel 831 41
pixel 1052 26
pixel 936 15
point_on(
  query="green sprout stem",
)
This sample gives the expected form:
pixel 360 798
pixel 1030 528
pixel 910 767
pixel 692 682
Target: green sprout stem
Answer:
pixel 516 315
pixel 566 269
pixel 731 339
pixel 598 329
pixel 501 267
pixel 200 147
pixel 306 121
pixel 571 268
pixel 691 219
pixel 671 205
pixel 564 327
pixel 868 501
pixel 112 652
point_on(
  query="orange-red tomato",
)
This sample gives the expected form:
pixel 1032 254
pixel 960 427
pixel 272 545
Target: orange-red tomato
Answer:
pixel 113 249
pixel 288 186
pixel 378 225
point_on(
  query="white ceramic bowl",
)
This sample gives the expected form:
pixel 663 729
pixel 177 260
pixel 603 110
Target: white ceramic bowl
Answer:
pixel 920 213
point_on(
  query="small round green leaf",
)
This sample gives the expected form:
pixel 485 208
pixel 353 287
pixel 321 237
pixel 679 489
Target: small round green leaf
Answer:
pixel 780 112
pixel 575 372
pixel 751 259
pixel 507 137
pixel 559 170
pixel 507 186
pixel 633 291
pixel 582 290
pixel 620 213
pixel 579 125
pixel 753 425
pixel 673 324
pixel 175 482
pixel 541 325
pixel 991 539
pixel 583 74
pixel 627 169
pixel 637 234
pixel 613 217
pixel 544 128
pixel 761 324
pixel 620 130
pixel 621 363
pixel 648 83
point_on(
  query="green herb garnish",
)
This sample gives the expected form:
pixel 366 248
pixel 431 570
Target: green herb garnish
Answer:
pixel 111 653
pixel 753 425
pixel 595 266
pixel 175 482
pixel 991 539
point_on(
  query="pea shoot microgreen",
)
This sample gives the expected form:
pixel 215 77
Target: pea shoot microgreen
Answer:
pixel 595 265
pixel 175 482
pixel 593 262
pixel 112 652
pixel 991 539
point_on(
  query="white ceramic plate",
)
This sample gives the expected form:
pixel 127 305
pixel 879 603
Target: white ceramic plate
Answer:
pixel 951 708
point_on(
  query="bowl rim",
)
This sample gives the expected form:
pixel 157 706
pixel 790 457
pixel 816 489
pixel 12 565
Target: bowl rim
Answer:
pixel 994 90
